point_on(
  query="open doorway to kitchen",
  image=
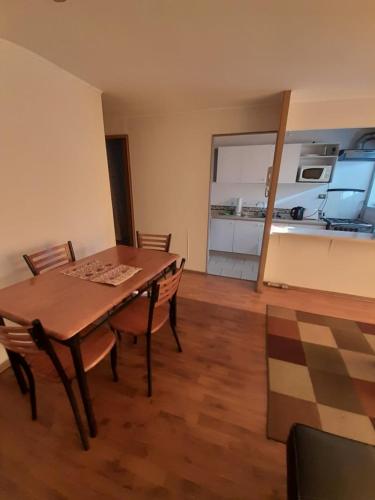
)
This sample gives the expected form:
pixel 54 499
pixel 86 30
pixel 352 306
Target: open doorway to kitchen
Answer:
pixel 121 188
pixel 238 203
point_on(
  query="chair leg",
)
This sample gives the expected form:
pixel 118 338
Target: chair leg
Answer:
pixel 77 415
pixel 135 339
pixel 173 311
pixel 176 338
pixel 32 391
pixel 173 321
pixel 17 372
pixel 149 367
pixel 31 383
pixel 72 400
pixel 114 362
pixel 116 333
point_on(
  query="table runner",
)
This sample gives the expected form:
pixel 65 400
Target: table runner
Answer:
pixel 100 272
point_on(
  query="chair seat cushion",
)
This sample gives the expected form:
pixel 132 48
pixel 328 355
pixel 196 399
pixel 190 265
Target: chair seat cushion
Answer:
pixel 323 466
pixel 94 347
pixel 133 319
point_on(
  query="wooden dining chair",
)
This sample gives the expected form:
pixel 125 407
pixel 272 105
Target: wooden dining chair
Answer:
pixel 154 241
pixel 146 315
pixel 50 258
pixel 30 349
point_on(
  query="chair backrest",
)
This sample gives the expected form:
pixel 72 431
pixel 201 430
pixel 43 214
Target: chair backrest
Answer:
pixel 50 258
pixel 18 339
pixel 167 288
pixel 154 241
pixel 30 339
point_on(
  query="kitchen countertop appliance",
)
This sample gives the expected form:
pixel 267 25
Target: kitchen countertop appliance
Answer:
pixel 355 225
pixel 296 213
pixel 315 173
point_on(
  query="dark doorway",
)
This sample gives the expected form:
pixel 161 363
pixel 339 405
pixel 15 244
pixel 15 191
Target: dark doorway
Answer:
pixel 120 181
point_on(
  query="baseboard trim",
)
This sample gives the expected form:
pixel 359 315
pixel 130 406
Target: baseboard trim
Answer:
pixel 195 272
pixel 323 292
pixel 4 365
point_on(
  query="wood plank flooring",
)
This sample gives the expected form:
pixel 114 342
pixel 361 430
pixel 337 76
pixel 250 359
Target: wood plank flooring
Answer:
pixel 201 436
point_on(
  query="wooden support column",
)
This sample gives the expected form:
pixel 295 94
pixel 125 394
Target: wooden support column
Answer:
pixel 273 186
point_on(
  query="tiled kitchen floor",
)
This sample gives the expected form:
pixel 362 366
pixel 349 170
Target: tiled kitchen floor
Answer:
pixel 233 265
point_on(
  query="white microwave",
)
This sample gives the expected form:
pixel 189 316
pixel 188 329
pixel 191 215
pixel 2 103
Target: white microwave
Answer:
pixel 315 173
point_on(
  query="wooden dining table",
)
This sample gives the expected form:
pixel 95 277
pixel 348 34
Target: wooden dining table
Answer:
pixel 67 305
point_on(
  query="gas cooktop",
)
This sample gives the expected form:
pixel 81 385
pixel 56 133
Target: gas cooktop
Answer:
pixel 356 225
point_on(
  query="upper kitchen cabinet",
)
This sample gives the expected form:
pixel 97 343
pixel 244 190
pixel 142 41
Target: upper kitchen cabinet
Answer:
pixel 230 161
pixel 257 160
pixel 244 164
pixel 289 163
pixel 249 164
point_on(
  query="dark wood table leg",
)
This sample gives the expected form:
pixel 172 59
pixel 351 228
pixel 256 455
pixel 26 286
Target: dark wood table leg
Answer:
pixel 75 350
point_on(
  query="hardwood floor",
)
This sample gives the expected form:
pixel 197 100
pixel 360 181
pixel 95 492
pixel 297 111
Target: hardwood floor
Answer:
pixel 201 436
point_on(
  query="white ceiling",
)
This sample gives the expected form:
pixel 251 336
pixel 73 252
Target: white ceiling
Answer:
pixel 156 55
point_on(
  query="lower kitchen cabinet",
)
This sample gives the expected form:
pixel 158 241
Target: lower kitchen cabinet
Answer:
pixel 239 236
pixel 246 237
pixel 221 235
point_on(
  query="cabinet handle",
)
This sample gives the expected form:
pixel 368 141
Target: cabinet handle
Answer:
pixel 268 182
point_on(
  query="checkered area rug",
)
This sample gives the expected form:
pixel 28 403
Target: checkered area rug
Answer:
pixel 321 372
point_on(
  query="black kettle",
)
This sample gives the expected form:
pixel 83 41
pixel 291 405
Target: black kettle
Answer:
pixel 297 213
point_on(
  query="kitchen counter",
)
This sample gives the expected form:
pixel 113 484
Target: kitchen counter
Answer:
pixel 313 222
pixel 333 261
pixel 278 229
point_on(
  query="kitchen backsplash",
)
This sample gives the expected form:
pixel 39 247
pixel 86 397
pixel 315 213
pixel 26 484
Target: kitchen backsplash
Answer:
pixel 287 196
pixel 280 213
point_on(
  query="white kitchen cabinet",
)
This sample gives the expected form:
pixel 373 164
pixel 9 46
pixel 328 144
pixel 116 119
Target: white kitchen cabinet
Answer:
pixel 289 163
pixel 221 235
pixel 246 237
pixel 256 162
pixel 249 164
pixel 244 164
pixel 239 236
pixel 229 164
pixel 260 236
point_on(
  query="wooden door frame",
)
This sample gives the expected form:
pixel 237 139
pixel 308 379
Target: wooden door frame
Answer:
pixel 128 176
pixel 211 176
pixel 280 138
pixel 273 187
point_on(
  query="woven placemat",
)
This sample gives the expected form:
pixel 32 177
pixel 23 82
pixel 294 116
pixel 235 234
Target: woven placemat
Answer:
pixel 99 272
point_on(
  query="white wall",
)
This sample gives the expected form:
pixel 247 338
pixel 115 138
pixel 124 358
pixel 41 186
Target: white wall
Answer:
pixel 331 114
pixel 54 174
